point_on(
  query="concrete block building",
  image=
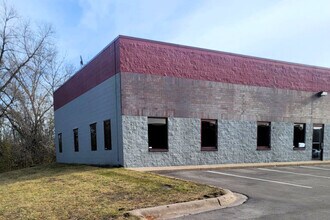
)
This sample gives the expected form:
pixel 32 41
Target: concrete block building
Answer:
pixel 142 103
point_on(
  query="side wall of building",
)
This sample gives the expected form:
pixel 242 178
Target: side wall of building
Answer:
pixel 236 107
pixel 94 106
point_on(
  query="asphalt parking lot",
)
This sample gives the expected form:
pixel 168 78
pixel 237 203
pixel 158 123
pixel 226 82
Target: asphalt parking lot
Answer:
pixel 298 192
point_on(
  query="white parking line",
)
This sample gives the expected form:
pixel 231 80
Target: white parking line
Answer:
pixel 300 174
pixel 315 168
pixel 263 180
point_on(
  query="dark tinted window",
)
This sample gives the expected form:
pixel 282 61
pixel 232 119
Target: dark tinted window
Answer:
pixel 107 134
pixel 59 137
pixel 157 134
pixel 263 134
pixel 209 134
pixel 75 140
pixel 93 137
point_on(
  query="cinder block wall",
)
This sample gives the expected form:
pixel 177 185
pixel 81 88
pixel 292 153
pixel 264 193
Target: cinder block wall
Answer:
pixel 236 143
pixel 187 84
pixel 98 104
pixel 91 95
pixel 237 109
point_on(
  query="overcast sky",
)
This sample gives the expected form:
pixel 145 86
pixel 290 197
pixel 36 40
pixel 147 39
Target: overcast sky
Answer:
pixel 290 30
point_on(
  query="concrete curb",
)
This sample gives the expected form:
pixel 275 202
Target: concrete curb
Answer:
pixel 229 166
pixel 229 199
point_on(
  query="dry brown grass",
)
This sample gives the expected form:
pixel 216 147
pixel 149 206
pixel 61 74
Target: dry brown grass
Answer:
pixel 84 192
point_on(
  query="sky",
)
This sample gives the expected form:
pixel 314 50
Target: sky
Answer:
pixel 289 30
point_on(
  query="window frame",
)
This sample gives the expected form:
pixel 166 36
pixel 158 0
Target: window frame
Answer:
pixel 209 148
pixel 304 130
pixel 93 137
pixel 60 144
pixel 76 139
pixel 264 147
pixel 157 148
pixel 107 135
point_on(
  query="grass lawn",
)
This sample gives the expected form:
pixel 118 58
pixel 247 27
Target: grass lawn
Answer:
pixel 83 192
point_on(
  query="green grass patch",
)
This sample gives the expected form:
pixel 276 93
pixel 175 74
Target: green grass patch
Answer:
pixel 59 191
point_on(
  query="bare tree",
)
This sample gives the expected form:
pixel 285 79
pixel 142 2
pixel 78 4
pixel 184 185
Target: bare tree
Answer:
pixel 18 45
pixel 30 71
pixel 31 113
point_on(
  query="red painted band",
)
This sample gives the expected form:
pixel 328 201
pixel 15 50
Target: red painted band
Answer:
pixel 133 55
pixel 149 57
pixel 101 68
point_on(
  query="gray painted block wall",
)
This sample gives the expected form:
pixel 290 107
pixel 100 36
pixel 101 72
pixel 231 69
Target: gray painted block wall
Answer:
pixel 236 143
pixel 98 104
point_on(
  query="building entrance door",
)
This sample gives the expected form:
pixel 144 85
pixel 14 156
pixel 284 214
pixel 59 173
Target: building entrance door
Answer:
pixel 317 151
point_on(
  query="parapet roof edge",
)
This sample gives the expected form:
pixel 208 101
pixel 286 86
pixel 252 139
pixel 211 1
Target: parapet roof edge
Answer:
pixel 226 53
pixel 308 66
pixel 101 51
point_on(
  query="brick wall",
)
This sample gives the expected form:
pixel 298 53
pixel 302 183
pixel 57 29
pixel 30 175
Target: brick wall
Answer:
pixel 154 95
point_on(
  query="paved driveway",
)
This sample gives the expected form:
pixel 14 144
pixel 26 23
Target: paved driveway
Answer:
pixel 301 192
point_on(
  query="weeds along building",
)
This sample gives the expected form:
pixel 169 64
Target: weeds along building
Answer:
pixel 145 103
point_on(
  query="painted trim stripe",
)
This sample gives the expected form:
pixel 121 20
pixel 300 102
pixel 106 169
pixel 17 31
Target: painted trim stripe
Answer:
pixel 259 179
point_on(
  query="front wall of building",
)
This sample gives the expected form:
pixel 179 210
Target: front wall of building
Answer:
pixel 96 105
pixel 236 107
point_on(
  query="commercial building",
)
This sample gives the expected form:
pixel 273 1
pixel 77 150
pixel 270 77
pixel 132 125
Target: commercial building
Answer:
pixel 146 103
